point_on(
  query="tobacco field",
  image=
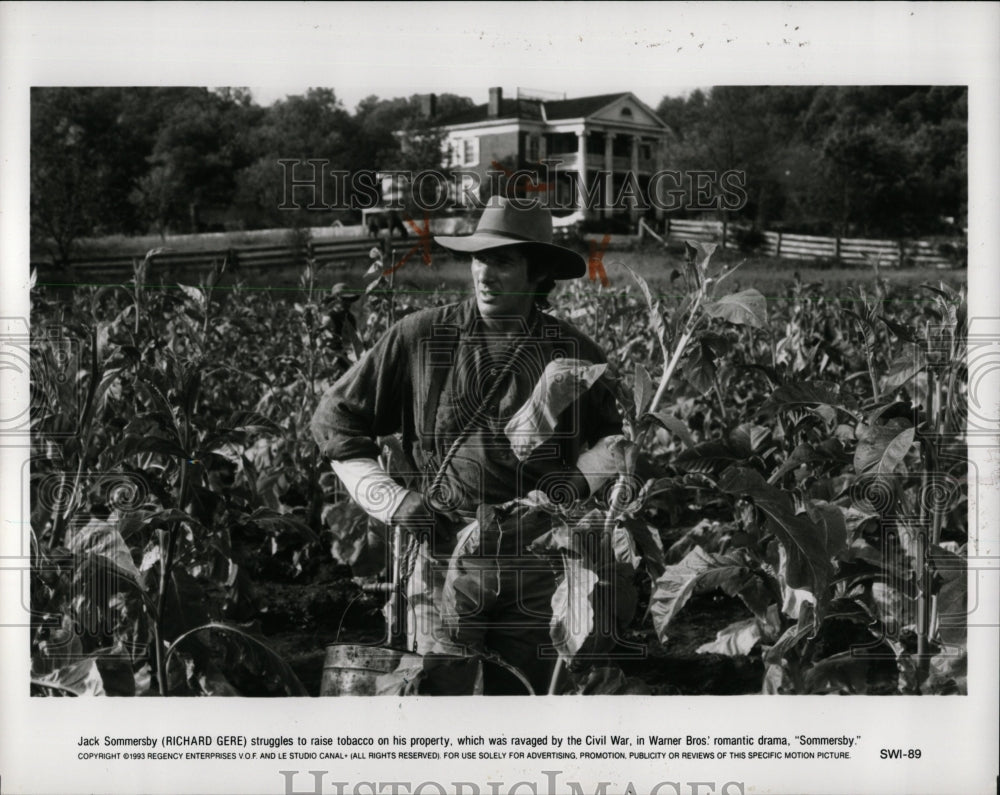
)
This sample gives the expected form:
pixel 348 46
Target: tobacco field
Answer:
pixel 790 515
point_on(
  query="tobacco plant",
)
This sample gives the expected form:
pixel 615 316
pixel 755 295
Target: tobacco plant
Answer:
pixel 836 463
pixel 803 454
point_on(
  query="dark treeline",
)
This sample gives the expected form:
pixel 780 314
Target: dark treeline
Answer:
pixel 142 160
pixel 866 161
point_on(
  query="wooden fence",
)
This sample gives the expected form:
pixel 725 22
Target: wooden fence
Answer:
pixel 337 251
pixel 344 251
pixel 920 253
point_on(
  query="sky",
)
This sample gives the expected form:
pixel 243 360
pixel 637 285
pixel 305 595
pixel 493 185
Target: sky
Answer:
pixel 398 49
pixel 448 48
pixel 351 93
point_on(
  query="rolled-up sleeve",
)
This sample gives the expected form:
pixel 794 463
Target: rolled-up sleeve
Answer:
pixel 368 401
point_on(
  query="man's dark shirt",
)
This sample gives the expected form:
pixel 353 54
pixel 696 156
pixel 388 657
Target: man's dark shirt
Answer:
pixel 427 376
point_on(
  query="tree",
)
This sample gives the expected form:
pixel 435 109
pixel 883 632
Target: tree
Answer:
pixel 400 136
pixel 314 126
pixel 63 188
pixel 199 147
pixel 895 156
pixel 867 160
pixel 83 165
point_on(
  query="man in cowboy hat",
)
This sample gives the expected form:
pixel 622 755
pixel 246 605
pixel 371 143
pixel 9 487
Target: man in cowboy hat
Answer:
pixel 457 383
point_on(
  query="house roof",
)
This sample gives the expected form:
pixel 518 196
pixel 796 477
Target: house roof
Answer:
pixel 531 109
pixel 580 106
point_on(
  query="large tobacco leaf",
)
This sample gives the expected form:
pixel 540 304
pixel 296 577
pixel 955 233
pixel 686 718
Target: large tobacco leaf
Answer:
pixel 572 611
pixel 745 308
pixel 562 382
pixel 810 539
pixel 882 448
pixel 735 640
pixel 806 394
pixel 698 572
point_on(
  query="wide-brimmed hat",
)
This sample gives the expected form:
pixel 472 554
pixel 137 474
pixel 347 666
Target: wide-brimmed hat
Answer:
pixel 528 226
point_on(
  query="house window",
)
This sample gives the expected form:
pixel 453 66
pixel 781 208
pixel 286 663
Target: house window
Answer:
pixel 533 153
pixel 464 151
pixel 469 152
pixel 645 151
pixel 627 113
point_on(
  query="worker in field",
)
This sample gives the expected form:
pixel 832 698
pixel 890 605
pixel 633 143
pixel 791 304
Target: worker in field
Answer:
pixel 494 399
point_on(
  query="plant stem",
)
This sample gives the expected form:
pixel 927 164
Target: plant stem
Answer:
pixel 58 519
pixel 937 513
pixel 922 572
pixel 161 600
pixel 556 676
pixel 722 405
pixel 166 565
pixel 668 371
pixel 63 529
pixel 871 368
pixel 922 594
pixel 86 419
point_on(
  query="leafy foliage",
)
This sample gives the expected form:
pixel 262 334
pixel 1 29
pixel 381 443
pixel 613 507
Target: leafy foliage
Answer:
pixel 802 461
pixel 862 161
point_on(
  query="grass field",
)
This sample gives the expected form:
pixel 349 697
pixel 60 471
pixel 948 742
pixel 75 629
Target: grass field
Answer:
pixel 115 245
pixel 771 276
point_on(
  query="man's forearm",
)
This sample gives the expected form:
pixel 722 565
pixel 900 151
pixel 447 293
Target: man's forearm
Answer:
pixel 371 487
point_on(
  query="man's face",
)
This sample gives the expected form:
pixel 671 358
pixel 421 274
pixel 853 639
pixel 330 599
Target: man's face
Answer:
pixel 502 284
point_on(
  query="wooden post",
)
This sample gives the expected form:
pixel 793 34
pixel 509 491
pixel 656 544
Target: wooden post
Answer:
pixel 836 249
pixel 609 180
pixel 651 231
pixel 666 228
pixel 633 214
pixel 777 247
pixel 902 252
pixel 395 616
pixel 725 229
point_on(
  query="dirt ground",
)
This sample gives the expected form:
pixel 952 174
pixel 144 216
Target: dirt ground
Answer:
pixel 302 620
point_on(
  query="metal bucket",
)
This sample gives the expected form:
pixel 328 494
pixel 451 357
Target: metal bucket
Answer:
pixel 352 670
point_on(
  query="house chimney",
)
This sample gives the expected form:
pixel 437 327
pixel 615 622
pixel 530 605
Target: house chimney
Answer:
pixel 428 105
pixel 496 101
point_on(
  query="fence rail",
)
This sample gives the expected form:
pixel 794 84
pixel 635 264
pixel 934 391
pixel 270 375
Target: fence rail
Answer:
pixel 337 251
pixel 343 251
pixel 813 247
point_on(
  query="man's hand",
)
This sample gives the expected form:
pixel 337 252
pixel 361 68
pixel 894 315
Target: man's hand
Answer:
pixel 413 512
pixel 415 516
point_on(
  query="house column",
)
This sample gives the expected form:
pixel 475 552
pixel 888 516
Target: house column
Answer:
pixel 581 157
pixel 634 165
pixel 609 180
pixel 660 161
